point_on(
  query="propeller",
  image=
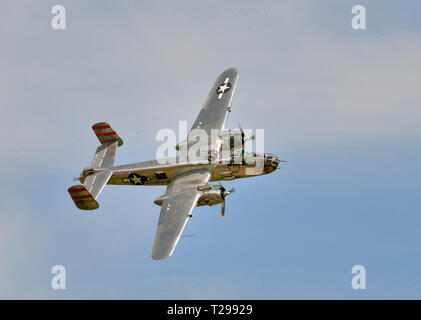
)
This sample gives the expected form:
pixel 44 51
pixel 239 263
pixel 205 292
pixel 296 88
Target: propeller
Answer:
pixel 224 193
pixel 243 136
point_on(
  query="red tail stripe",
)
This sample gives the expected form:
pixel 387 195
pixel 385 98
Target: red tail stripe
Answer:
pixel 77 190
pixel 106 134
pixel 101 127
pixel 82 197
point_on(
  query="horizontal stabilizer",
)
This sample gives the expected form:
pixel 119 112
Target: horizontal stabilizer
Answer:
pixel 82 198
pixel 105 155
pixel 94 183
pixel 105 133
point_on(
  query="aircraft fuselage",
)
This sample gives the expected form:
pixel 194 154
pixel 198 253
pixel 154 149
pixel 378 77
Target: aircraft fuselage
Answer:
pixel 158 173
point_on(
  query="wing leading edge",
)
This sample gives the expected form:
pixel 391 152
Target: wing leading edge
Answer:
pixel 180 199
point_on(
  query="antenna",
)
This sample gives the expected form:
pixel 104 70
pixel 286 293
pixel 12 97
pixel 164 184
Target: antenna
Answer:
pixel 188 235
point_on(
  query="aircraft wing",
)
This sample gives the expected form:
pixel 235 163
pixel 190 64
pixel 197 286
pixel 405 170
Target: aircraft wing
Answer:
pixel 214 112
pixel 179 201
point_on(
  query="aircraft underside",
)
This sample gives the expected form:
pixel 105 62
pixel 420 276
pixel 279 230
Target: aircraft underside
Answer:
pixel 161 175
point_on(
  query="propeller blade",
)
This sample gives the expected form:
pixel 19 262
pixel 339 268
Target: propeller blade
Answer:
pixel 245 138
pixel 240 127
pixel 223 208
pixel 253 137
pixel 222 189
pixel 224 194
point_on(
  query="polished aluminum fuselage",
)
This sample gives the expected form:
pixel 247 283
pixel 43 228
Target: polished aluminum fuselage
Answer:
pixel 160 172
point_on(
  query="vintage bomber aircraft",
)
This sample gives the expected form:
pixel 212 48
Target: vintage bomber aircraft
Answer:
pixel 187 182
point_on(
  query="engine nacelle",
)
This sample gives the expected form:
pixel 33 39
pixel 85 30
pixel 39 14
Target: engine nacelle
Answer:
pixel 210 197
pixel 213 194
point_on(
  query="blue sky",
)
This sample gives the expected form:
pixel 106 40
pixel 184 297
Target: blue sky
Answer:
pixel 341 106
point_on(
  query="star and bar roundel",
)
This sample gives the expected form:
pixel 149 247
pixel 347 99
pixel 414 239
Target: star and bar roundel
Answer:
pixel 224 87
pixel 137 179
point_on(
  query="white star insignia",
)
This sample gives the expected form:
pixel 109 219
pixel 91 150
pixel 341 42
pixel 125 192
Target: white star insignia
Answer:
pixel 136 180
pixel 223 87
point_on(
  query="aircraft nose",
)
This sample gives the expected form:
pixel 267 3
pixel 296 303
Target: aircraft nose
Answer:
pixel 275 161
pixel 271 161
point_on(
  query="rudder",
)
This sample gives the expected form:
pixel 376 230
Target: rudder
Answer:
pixel 82 198
pixel 105 133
